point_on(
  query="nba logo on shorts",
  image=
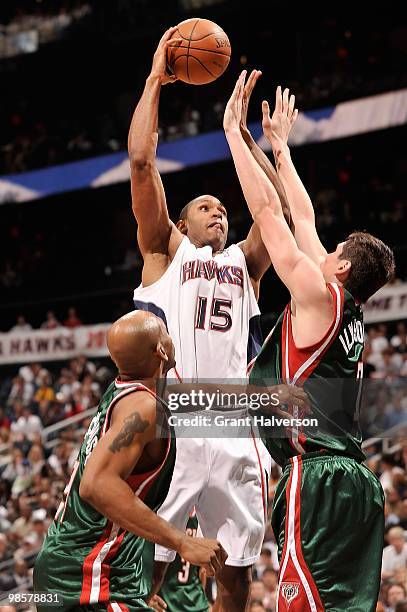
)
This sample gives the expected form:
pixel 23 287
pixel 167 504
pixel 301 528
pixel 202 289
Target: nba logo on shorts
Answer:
pixel 289 590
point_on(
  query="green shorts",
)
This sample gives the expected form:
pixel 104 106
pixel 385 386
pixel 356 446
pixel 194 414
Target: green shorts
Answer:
pixel 328 520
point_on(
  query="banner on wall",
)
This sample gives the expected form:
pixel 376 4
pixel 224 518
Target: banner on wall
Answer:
pixel 388 304
pixel 345 119
pixel 52 345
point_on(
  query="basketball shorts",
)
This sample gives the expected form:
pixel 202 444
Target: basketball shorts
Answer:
pixel 328 519
pixel 226 480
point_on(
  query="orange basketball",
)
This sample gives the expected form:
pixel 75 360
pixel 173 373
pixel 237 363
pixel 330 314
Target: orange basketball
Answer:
pixel 202 55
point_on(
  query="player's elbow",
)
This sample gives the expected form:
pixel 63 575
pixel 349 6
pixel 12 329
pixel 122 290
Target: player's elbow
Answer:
pixel 140 163
pixel 88 489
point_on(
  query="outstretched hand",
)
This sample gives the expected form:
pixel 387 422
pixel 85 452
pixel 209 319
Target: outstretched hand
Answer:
pixel 247 92
pixel 233 110
pixel 159 67
pixel 278 127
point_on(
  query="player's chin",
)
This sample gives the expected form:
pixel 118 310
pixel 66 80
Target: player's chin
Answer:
pixel 216 239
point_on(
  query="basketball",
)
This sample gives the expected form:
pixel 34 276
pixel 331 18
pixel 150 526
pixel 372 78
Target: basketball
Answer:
pixel 203 54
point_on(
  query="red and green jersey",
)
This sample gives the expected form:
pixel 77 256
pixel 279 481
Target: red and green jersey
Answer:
pixel 330 372
pixel 182 587
pixel 86 558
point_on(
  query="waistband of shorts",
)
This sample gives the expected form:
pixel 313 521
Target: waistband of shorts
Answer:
pixel 321 456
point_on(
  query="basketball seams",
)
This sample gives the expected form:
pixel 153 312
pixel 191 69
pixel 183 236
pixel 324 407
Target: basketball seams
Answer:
pixel 189 45
pixel 201 37
pixel 206 50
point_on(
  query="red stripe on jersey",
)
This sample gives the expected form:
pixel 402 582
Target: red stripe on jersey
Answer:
pixel 294 359
pixel 296 590
pixel 87 568
pixel 263 487
pixel 105 569
pixel 298 544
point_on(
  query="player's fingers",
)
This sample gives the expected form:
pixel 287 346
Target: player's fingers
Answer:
pixel 221 554
pixel 279 102
pixel 167 34
pixel 291 106
pixel 251 82
pixel 285 100
pixel 209 569
pixel 266 111
pixel 294 116
pixel 216 563
pixel 157 603
pixel 173 42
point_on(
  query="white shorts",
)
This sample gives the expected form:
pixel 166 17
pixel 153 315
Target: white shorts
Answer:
pixel 226 480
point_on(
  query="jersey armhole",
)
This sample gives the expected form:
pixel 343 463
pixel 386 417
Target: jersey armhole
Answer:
pixel 180 251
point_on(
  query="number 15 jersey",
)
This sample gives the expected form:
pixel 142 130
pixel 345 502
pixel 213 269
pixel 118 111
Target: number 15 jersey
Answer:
pixel 208 305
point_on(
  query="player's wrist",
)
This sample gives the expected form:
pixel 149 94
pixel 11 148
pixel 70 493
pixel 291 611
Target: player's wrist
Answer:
pixel 155 78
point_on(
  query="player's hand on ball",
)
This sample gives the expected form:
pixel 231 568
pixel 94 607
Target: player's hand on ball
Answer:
pixel 233 110
pixel 209 554
pixel 157 603
pixel 278 127
pixel 159 67
pixel 247 92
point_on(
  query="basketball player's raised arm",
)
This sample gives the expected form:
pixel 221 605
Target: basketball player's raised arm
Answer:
pixel 276 129
pixel 148 197
pixel 103 484
pixel 258 154
pixel 298 272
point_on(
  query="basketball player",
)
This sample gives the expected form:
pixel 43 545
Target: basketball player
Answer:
pixel 182 588
pixel 206 295
pixel 328 507
pixel 92 555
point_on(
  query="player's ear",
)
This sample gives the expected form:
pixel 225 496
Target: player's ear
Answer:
pixel 182 226
pixel 161 352
pixel 343 270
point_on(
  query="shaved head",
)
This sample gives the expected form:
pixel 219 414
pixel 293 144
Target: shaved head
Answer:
pixel 140 346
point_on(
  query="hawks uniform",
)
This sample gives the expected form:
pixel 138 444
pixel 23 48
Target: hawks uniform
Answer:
pixel 88 560
pixel 328 507
pixel 208 305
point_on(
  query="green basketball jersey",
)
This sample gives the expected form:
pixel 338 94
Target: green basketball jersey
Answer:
pixel 86 558
pixel 330 372
pixel 182 588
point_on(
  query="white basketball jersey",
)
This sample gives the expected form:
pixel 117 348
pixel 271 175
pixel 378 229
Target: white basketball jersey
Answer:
pixel 208 305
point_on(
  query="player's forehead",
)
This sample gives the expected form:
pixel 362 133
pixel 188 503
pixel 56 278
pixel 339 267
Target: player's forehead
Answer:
pixel 209 200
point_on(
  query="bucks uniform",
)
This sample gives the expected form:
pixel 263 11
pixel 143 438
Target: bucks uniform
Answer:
pixel 328 507
pixel 182 589
pixel 208 305
pixel 88 560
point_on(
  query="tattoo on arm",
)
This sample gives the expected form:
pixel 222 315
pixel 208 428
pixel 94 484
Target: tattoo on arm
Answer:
pixel 132 425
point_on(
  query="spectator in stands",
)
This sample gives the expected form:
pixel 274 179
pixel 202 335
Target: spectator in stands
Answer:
pixel 21 392
pixel 27 424
pixel 395 554
pixel 21 325
pixel 31 372
pixel 397 415
pixel 44 391
pixel 5 552
pixel 72 320
pixel 257 591
pixel 399 340
pixel 270 580
pixel 395 594
pixel 389 470
pixel 51 322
